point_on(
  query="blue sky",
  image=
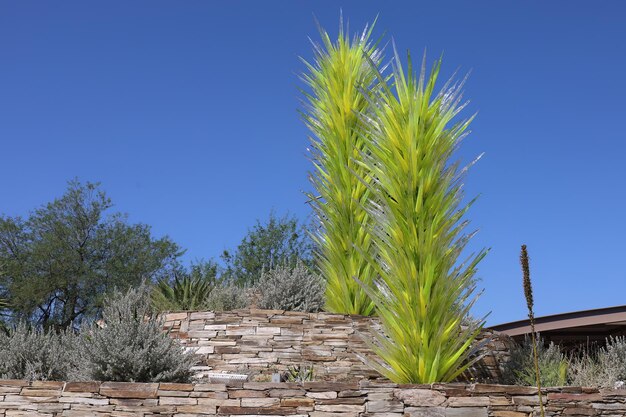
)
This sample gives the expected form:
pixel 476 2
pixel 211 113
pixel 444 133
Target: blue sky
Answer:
pixel 187 114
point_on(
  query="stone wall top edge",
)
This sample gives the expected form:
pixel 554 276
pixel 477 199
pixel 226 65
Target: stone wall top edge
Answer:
pixel 264 312
pixel 478 389
pixel 251 312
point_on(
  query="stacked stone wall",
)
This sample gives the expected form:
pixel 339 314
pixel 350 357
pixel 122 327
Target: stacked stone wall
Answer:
pixel 313 399
pixel 264 342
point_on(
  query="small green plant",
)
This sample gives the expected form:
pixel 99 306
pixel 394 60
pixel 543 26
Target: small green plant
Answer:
pixel 32 354
pixel 129 344
pixel 528 294
pixel 291 288
pixel 186 292
pixel 520 369
pixel 299 373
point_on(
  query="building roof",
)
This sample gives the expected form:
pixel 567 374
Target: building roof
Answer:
pixel 585 326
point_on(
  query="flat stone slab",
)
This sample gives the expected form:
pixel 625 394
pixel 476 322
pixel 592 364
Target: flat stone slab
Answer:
pixel 129 390
pixel 420 397
pixel 467 412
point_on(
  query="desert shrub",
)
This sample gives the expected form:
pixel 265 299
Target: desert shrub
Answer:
pixel 291 288
pixel 520 370
pixel 200 289
pixel 128 344
pixel 604 367
pixel 32 354
pixel 586 371
pixel 227 296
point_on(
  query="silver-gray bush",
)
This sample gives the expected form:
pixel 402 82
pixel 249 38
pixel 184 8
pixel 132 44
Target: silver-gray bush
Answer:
pixel 604 367
pixel 128 344
pixel 33 354
pixel 226 297
pixel 291 288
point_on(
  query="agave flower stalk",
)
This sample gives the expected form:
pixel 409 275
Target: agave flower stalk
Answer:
pixel 424 292
pixel 339 78
pixel 530 304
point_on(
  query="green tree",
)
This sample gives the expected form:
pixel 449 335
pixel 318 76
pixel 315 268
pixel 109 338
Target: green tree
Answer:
pixel 279 241
pixel 62 259
pixel 425 291
pixel 339 79
pixel 4 303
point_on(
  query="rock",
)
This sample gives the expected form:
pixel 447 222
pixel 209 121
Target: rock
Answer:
pixel 128 390
pixel 420 397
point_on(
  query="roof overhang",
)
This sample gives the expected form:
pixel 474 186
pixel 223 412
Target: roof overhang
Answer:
pixel 608 318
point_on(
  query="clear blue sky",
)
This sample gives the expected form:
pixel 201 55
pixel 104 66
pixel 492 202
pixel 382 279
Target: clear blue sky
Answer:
pixel 186 112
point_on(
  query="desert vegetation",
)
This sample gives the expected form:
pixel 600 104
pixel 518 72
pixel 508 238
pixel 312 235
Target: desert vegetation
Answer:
pixel 126 344
pixel 527 357
pixel 600 365
pixel 293 288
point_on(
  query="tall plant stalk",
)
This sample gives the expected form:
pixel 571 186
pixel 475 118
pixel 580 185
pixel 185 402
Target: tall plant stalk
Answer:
pixel 528 294
pixel 424 293
pixel 340 78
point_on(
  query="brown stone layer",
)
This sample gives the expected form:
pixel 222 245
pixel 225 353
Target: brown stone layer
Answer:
pixel 319 399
